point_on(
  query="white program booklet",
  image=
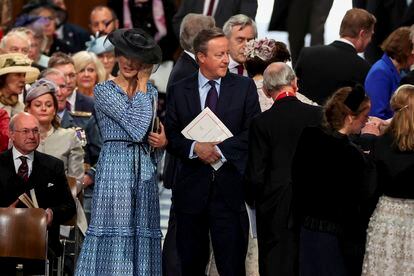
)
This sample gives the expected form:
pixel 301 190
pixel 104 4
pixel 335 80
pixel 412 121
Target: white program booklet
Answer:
pixel 252 221
pixel 207 127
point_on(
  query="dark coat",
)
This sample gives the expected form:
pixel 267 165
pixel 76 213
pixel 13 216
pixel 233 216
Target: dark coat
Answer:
pixel 49 182
pixel 237 105
pixel 272 144
pixel 323 69
pixel 225 10
pixel 84 103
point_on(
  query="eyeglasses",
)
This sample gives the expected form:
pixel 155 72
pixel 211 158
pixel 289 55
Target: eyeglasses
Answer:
pixel 26 131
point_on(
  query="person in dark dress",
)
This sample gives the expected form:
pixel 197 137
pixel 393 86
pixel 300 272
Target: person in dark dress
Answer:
pixel 328 175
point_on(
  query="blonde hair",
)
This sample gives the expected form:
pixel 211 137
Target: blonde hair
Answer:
pixel 83 58
pixel 402 123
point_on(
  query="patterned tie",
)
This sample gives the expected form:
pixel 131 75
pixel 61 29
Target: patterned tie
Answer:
pixel 23 170
pixel 240 70
pixel 210 8
pixel 212 97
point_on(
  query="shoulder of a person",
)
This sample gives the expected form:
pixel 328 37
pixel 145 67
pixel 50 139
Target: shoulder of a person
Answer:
pixel 47 160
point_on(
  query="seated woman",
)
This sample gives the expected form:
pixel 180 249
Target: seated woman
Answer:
pixel 89 71
pixel 15 72
pixel 259 54
pixel 104 50
pixel 390 237
pixel 328 185
pixel 61 143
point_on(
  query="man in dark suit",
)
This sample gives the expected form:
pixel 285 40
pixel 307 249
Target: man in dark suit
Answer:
pixel 22 168
pixel 273 136
pixel 209 201
pixel 185 66
pixel 299 17
pixel 76 101
pixel 221 10
pixel 323 69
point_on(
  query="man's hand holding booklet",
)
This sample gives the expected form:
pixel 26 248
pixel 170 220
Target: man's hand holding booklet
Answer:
pixel 207 127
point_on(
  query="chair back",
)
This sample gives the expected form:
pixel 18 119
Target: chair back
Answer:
pixel 23 233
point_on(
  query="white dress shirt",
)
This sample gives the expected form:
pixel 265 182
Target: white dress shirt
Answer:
pixel 18 162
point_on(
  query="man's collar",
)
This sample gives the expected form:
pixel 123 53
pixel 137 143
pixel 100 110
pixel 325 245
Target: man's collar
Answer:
pixel 17 154
pixel 190 54
pixel 202 80
pixel 232 63
pixel 344 40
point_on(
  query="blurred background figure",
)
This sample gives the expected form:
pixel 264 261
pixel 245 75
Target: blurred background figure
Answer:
pixel 299 17
pixel 89 71
pixel 15 72
pixel 102 20
pixel 103 48
pixel 4 130
pixel 385 75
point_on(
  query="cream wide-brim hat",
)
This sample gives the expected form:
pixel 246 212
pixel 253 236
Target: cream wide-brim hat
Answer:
pixel 18 63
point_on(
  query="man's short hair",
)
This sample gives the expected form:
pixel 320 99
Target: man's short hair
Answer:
pixel 51 71
pixel 191 25
pixel 275 79
pixel 354 21
pixel 59 58
pixel 202 39
pixel 239 20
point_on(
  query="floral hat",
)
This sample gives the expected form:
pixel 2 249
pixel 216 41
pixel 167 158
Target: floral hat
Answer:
pixel 262 48
pixel 18 63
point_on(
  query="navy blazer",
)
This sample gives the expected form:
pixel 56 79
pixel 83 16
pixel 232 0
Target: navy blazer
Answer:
pixel 84 103
pixel 237 105
pixel 49 182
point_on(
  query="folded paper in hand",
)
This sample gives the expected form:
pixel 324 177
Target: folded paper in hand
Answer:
pixel 26 200
pixel 207 127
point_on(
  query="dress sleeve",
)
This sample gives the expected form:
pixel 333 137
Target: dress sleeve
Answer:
pixel 75 160
pixel 133 115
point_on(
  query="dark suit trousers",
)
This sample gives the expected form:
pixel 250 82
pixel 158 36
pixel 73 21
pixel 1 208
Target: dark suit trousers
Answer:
pixel 306 16
pixel 229 236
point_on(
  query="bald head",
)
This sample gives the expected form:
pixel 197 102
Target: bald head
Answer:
pixel 277 76
pixel 24 132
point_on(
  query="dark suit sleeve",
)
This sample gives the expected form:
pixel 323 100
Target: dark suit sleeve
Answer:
pixel 249 8
pixel 178 145
pixel 258 158
pixel 234 149
pixel 66 208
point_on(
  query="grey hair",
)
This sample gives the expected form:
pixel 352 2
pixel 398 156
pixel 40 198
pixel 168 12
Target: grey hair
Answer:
pixel 191 25
pixel 19 32
pixel 274 78
pixel 51 71
pixel 239 20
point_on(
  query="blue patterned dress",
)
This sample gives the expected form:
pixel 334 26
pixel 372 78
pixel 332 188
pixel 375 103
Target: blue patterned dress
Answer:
pixel 124 236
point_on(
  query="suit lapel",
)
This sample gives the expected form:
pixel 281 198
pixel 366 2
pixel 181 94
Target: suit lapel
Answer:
pixel 192 95
pixel 226 94
pixel 13 179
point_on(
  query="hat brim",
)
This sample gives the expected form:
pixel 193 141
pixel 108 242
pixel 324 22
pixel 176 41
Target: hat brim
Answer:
pixel 31 72
pixel 150 56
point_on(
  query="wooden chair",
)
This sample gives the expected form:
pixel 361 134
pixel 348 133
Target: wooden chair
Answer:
pixel 66 241
pixel 23 241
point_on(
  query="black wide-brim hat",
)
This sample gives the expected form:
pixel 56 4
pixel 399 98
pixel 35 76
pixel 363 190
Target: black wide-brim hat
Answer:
pixel 136 43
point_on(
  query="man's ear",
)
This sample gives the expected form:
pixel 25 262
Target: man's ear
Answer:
pixel 294 84
pixel 201 57
pixel 116 24
pixel 266 92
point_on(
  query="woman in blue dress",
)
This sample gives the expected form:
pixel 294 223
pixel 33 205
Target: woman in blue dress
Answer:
pixel 124 236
